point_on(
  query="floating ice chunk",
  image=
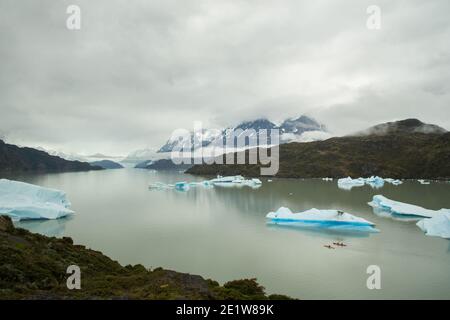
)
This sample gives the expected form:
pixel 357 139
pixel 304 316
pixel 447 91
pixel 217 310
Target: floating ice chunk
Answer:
pixel 160 186
pixel 374 181
pixel 23 201
pixel 438 226
pixel 403 209
pixel 256 181
pixel 232 181
pixel 228 179
pixel 422 181
pixel 319 218
pixel 327 179
pixel 236 181
pixel 395 182
pixel 348 183
pixel 182 186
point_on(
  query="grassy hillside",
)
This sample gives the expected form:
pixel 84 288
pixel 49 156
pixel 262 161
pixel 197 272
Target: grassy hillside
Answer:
pixel 33 266
pixel 400 155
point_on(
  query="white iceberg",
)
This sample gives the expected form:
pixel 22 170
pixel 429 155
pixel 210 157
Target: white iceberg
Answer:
pixel 320 219
pixel 348 183
pixel 373 181
pixel 235 181
pixel 422 181
pixel 395 182
pixel 23 201
pixel 438 226
pixel 402 209
pixel 327 179
pixel 230 181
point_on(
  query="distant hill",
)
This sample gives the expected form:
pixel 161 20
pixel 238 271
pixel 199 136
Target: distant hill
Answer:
pixel 401 151
pixel 18 159
pixel 402 126
pixel 107 164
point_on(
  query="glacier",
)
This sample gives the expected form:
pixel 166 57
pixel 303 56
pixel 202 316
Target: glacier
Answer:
pixel 397 208
pixel 24 201
pixel 437 226
pixel 373 181
pixel 320 219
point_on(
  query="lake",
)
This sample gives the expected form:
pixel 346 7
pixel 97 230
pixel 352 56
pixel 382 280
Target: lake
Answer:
pixel 221 233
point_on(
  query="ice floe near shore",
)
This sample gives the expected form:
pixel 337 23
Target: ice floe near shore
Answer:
pixel 320 219
pixel 23 201
pixel 373 181
pixel 229 181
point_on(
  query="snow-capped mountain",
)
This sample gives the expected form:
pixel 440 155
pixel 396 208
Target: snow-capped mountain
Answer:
pixel 301 129
pixel 197 139
pixel 300 125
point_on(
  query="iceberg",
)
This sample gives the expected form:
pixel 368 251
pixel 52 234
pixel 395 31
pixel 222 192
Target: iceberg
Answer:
pixel 438 226
pixel 373 181
pixel 320 219
pixel 160 186
pixel 327 179
pixel 423 181
pixel 182 186
pixel 396 208
pixel 231 181
pixel 24 201
pixel 395 182
pixel 348 183
pixel 235 181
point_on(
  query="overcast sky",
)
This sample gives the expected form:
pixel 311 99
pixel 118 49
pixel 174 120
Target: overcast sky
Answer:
pixel 137 70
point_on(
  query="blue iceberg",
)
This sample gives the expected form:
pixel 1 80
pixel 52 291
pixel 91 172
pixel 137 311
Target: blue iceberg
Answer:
pixel 321 219
pixel 24 201
pixel 397 208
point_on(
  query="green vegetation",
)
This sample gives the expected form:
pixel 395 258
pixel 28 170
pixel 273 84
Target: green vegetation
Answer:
pixel 399 155
pixel 33 266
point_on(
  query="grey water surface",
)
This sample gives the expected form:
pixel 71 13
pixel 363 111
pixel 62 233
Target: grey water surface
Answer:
pixel 221 233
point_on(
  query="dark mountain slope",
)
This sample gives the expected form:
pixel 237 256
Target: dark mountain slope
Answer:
pixel 399 155
pixel 107 164
pixel 17 159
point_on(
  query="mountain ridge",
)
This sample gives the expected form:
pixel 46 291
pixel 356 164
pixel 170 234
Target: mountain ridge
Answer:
pixel 401 154
pixel 290 129
pixel 23 159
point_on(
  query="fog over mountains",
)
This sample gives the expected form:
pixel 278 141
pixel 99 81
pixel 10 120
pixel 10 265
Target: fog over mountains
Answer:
pixel 300 129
